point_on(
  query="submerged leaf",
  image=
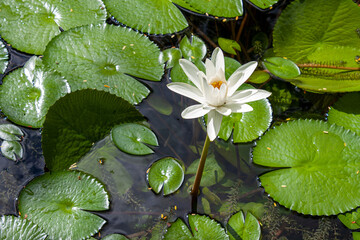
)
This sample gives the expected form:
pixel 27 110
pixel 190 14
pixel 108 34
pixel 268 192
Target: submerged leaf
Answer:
pixel 12 227
pixel 38 21
pixel 139 14
pixel 319 167
pixel 58 200
pixel 27 93
pixel 12 150
pixel 132 137
pixel 165 173
pixel 78 120
pixel 106 57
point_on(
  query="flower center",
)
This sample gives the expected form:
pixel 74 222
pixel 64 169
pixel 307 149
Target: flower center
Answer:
pixel 217 84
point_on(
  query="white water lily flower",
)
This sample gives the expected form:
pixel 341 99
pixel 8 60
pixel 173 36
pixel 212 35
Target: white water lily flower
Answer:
pixel 216 95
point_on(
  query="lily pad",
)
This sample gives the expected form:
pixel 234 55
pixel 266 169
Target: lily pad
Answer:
pixel 10 132
pixel 229 45
pixel 139 14
pixel 165 173
pixel 171 56
pixel 132 137
pixel 12 227
pixel 212 173
pixel 202 227
pixel 351 220
pixel 106 57
pixel 243 228
pixel 259 77
pixel 219 8
pixel 346 112
pixel 282 67
pixel 58 200
pixel 323 41
pixel 115 237
pixel 4 57
pixel 78 120
pixel 12 150
pixel 102 162
pixel 27 93
pixel 39 22
pixel 319 167
pixel 193 48
pixel 263 4
pixel 247 126
pixel 356 235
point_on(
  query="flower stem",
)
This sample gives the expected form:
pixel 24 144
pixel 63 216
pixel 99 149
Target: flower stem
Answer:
pixel 199 172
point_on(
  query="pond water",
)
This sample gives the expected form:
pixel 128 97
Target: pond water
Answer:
pixel 137 211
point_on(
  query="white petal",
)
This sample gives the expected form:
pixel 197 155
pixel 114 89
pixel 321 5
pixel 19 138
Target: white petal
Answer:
pixel 217 58
pixel 194 111
pixel 238 95
pixel 210 69
pixel 223 110
pixel 257 94
pixel 238 108
pixel 187 91
pixel 240 76
pixel 191 72
pixel 213 124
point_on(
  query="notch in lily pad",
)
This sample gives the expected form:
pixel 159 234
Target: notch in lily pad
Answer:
pixel 281 67
pixel 132 137
pixel 165 173
pixel 243 228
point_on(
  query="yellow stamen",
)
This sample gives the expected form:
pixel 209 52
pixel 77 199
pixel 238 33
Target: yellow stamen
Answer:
pixel 217 84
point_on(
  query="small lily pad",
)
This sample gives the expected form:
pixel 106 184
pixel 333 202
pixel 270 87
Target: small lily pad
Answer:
pixel 231 65
pixel 259 77
pixel 171 56
pixel 132 137
pixel 139 14
pixel 160 104
pixel 247 126
pixel 106 57
pixel 319 166
pixel 165 173
pixel 219 8
pixel 263 4
pixel 12 227
pixel 282 67
pixel 351 220
pixel 4 57
pixel 202 227
pixel 27 93
pixel 212 173
pixel 193 49
pixel 346 112
pixel 229 45
pixel 77 121
pixel 12 150
pixel 58 200
pixel 10 132
pixel 39 22
pixel 247 228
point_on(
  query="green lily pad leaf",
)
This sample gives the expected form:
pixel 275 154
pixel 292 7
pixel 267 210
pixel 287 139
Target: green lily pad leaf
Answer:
pixel 193 49
pixel 202 227
pixel 356 235
pixel 27 93
pixel 229 45
pixel 231 65
pixel 323 42
pixel 247 126
pixel 78 120
pixel 165 173
pixel 346 112
pixel 102 57
pixel 58 200
pixel 115 237
pixel 171 56
pixel 212 173
pixel 219 8
pixel 4 57
pixel 246 229
pixel 281 67
pixel 12 227
pixel 12 150
pixel 139 14
pixel 132 137
pixel 160 104
pixel 263 4
pixel 319 166
pixel 38 23
pixel 103 163
pixel 10 132
pixel 351 220
pixel 259 77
